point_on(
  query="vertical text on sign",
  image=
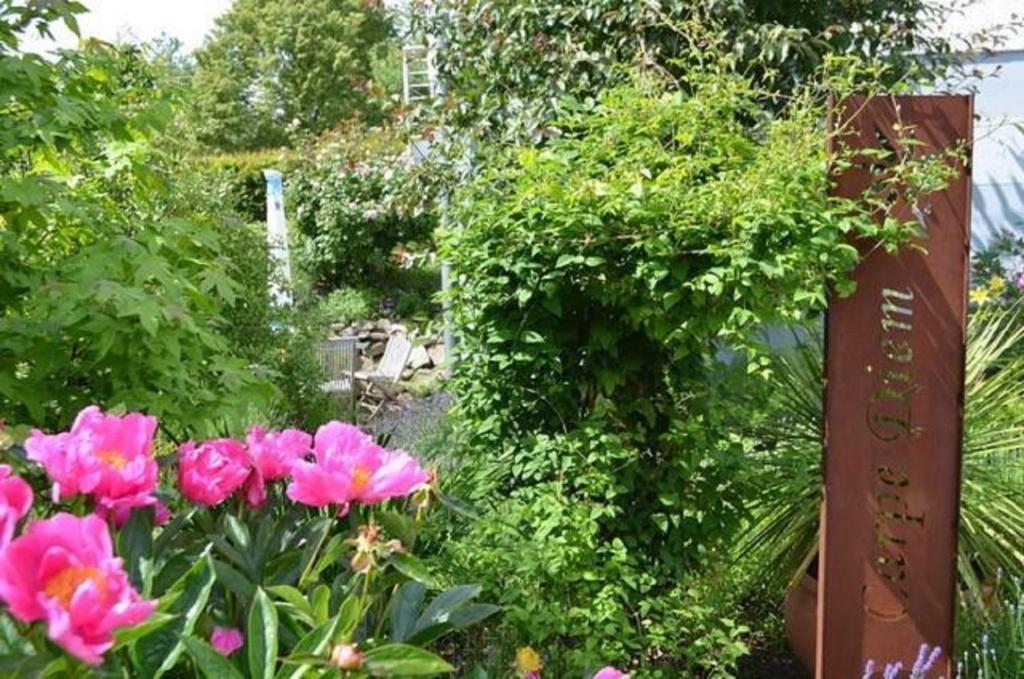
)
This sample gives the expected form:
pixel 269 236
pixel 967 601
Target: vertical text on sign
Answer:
pixel 891 422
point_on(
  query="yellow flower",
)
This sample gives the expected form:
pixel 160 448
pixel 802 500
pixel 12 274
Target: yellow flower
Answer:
pixel 527 661
pixel 996 285
pixel 980 295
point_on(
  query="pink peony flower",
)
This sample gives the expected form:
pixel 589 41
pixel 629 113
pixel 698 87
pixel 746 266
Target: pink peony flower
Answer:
pixel 255 489
pixel 63 570
pixel 209 473
pixel 161 514
pixel 272 454
pixel 226 640
pixel 610 673
pixel 106 456
pixel 350 467
pixel 15 501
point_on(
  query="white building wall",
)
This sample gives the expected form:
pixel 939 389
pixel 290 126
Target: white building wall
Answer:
pixel 999 147
pixel 999 108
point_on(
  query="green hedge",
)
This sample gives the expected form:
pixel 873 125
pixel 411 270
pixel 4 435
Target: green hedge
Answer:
pixel 234 182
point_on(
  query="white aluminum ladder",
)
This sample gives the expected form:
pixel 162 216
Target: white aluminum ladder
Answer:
pixel 419 74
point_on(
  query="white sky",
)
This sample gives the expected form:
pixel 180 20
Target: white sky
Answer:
pixel 187 20
pixel 190 20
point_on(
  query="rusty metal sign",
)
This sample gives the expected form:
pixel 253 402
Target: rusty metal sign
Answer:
pixel 894 410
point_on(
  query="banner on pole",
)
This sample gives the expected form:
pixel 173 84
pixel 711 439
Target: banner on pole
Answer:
pixel 277 239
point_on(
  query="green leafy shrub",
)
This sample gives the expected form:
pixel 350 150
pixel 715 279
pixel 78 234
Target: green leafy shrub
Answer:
pixel 279 341
pixel 246 255
pixel 346 305
pixel 109 292
pixel 598 277
pixel 291 364
pixel 353 211
pixel 408 294
pixel 564 554
pixel 132 320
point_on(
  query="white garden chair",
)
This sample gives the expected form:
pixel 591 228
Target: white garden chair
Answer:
pixel 379 383
pixel 338 360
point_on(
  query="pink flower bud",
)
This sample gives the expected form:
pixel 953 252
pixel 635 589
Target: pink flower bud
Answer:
pixel 347 657
pixel 226 640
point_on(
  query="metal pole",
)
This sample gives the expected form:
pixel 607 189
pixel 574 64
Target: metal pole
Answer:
pixel 449 331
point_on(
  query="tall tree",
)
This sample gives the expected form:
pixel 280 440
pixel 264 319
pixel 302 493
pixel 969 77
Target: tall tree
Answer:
pixel 275 70
pixel 508 63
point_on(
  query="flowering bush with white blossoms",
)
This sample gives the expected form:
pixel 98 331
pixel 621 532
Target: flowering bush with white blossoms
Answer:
pixel 355 205
pixel 286 554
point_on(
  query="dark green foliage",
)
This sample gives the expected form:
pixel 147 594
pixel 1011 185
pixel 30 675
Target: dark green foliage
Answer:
pixel 234 184
pixel 414 291
pixel 415 619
